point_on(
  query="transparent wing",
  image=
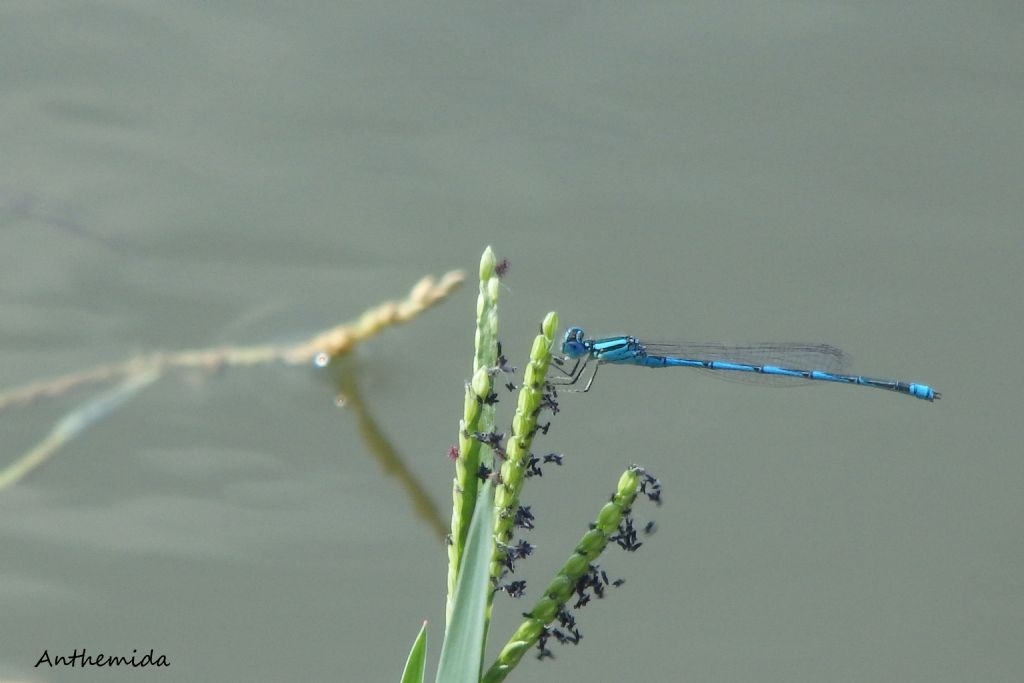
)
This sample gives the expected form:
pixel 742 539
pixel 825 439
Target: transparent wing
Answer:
pixel 792 355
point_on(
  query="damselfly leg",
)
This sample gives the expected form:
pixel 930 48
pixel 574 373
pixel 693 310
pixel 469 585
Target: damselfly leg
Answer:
pixel 572 377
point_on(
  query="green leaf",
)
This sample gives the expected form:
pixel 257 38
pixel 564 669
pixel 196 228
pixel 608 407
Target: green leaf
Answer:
pixel 462 650
pixel 414 666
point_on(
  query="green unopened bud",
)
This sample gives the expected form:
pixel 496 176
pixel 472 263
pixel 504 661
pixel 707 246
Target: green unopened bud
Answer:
pixel 528 630
pixel 545 609
pixel 628 482
pixel 471 407
pixel 487 263
pixel 576 566
pixel 518 423
pixel 609 517
pixel 560 588
pixel 541 347
pixel 481 383
pixel 592 542
pixel 523 402
pixel 550 325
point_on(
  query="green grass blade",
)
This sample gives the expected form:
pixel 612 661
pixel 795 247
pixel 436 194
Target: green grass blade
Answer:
pixel 415 665
pixel 462 651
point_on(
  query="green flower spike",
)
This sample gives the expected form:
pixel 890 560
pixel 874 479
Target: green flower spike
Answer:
pixel 517 450
pixel 478 416
pixel 561 588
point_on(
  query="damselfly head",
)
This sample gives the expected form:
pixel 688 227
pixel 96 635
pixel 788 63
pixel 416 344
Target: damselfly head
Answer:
pixel 572 344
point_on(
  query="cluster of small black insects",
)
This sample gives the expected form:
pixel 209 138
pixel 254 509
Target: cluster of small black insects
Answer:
pixel 565 633
pixel 651 487
pixel 595 581
pixel 518 551
pixel 533 466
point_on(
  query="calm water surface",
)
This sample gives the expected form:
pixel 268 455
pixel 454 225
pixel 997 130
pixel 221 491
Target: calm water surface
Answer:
pixel 207 173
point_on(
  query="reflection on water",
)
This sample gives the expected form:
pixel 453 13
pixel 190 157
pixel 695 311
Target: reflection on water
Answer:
pixel 30 207
pixel 343 373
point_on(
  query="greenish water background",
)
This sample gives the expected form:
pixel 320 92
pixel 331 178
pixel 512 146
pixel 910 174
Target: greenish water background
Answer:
pixel 177 175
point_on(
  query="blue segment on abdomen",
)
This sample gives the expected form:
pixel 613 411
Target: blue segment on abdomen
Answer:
pixel 922 391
